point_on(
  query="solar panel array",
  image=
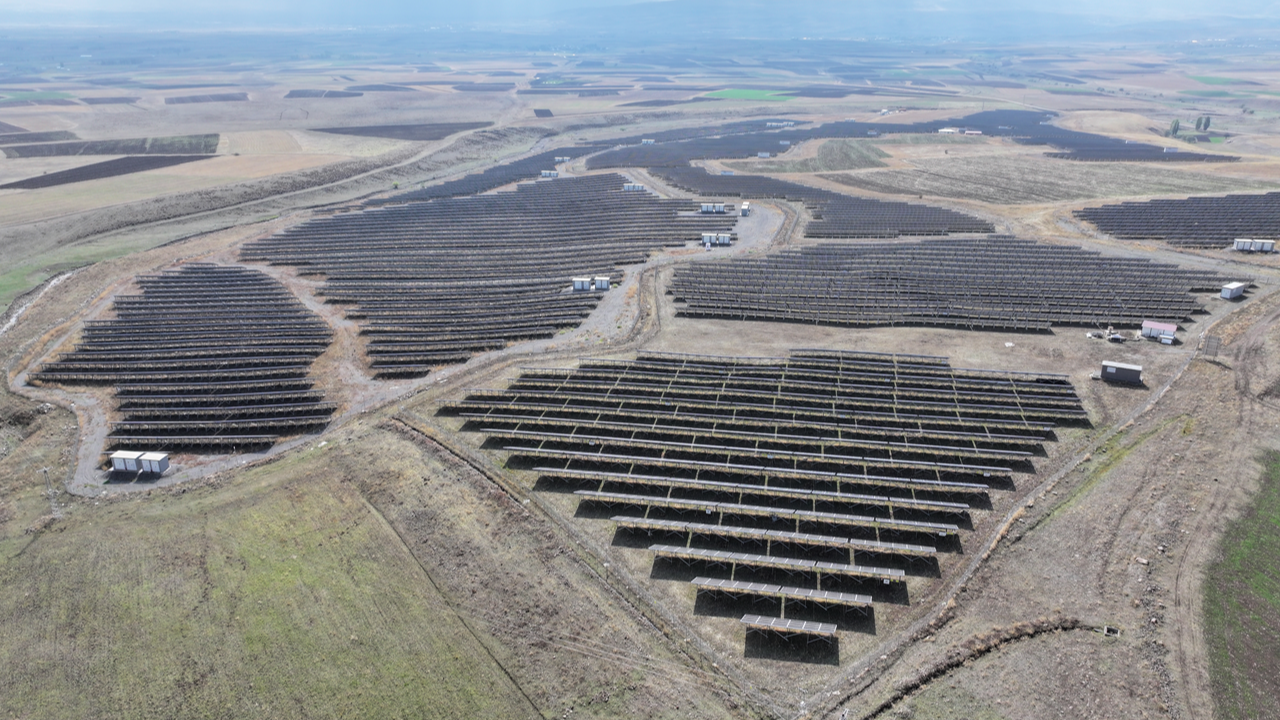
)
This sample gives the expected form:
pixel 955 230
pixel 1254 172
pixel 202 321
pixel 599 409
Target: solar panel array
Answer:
pixel 207 357
pixel 992 283
pixel 492 178
pixel 823 479
pixel 1022 126
pixel 1193 222
pixel 434 283
pixel 835 215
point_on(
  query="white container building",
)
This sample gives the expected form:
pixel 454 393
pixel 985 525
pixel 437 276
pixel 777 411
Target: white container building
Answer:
pixel 126 460
pixel 713 208
pixel 763 155
pixel 1164 332
pixel 602 282
pixel 746 209
pixel 581 284
pixel 634 187
pixel 1231 291
pixel 154 462
pixel 647 141
pixel 1255 245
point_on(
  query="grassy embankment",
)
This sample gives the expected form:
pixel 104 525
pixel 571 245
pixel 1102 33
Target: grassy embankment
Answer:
pixel 1242 608
pixel 281 595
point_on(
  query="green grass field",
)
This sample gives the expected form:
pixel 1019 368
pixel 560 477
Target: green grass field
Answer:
pixel 282 595
pixel 1213 80
pixel 739 94
pixel 1242 608
pixel 1213 94
pixel 37 95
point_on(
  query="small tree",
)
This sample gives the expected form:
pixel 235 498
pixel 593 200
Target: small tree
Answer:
pixel 1199 123
pixel 1173 127
pixel 1206 123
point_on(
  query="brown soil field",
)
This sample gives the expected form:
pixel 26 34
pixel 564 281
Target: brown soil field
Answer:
pixel 260 142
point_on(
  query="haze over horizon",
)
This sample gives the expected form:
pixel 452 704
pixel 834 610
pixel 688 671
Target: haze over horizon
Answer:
pixel 833 18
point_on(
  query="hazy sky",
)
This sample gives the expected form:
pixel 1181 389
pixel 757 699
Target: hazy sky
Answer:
pixel 417 12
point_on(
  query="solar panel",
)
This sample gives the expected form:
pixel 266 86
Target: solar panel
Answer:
pixel 785 625
pixel 782 591
pixel 721 556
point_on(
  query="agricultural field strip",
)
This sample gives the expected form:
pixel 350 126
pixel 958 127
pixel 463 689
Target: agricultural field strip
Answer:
pixel 952 282
pixel 205 397
pixel 206 144
pixel 671 473
pixel 435 282
pixel 36 137
pixel 1193 222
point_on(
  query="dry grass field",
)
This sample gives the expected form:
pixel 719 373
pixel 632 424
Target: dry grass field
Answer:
pixel 1028 179
pixel 391 567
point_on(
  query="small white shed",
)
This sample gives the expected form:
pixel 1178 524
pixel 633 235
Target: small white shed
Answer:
pixel 1255 245
pixel 582 283
pixel 125 460
pixel 602 282
pixel 1231 291
pixel 647 141
pixel 1159 331
pixel 550 173
pixel 746 209
pixel 154 462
